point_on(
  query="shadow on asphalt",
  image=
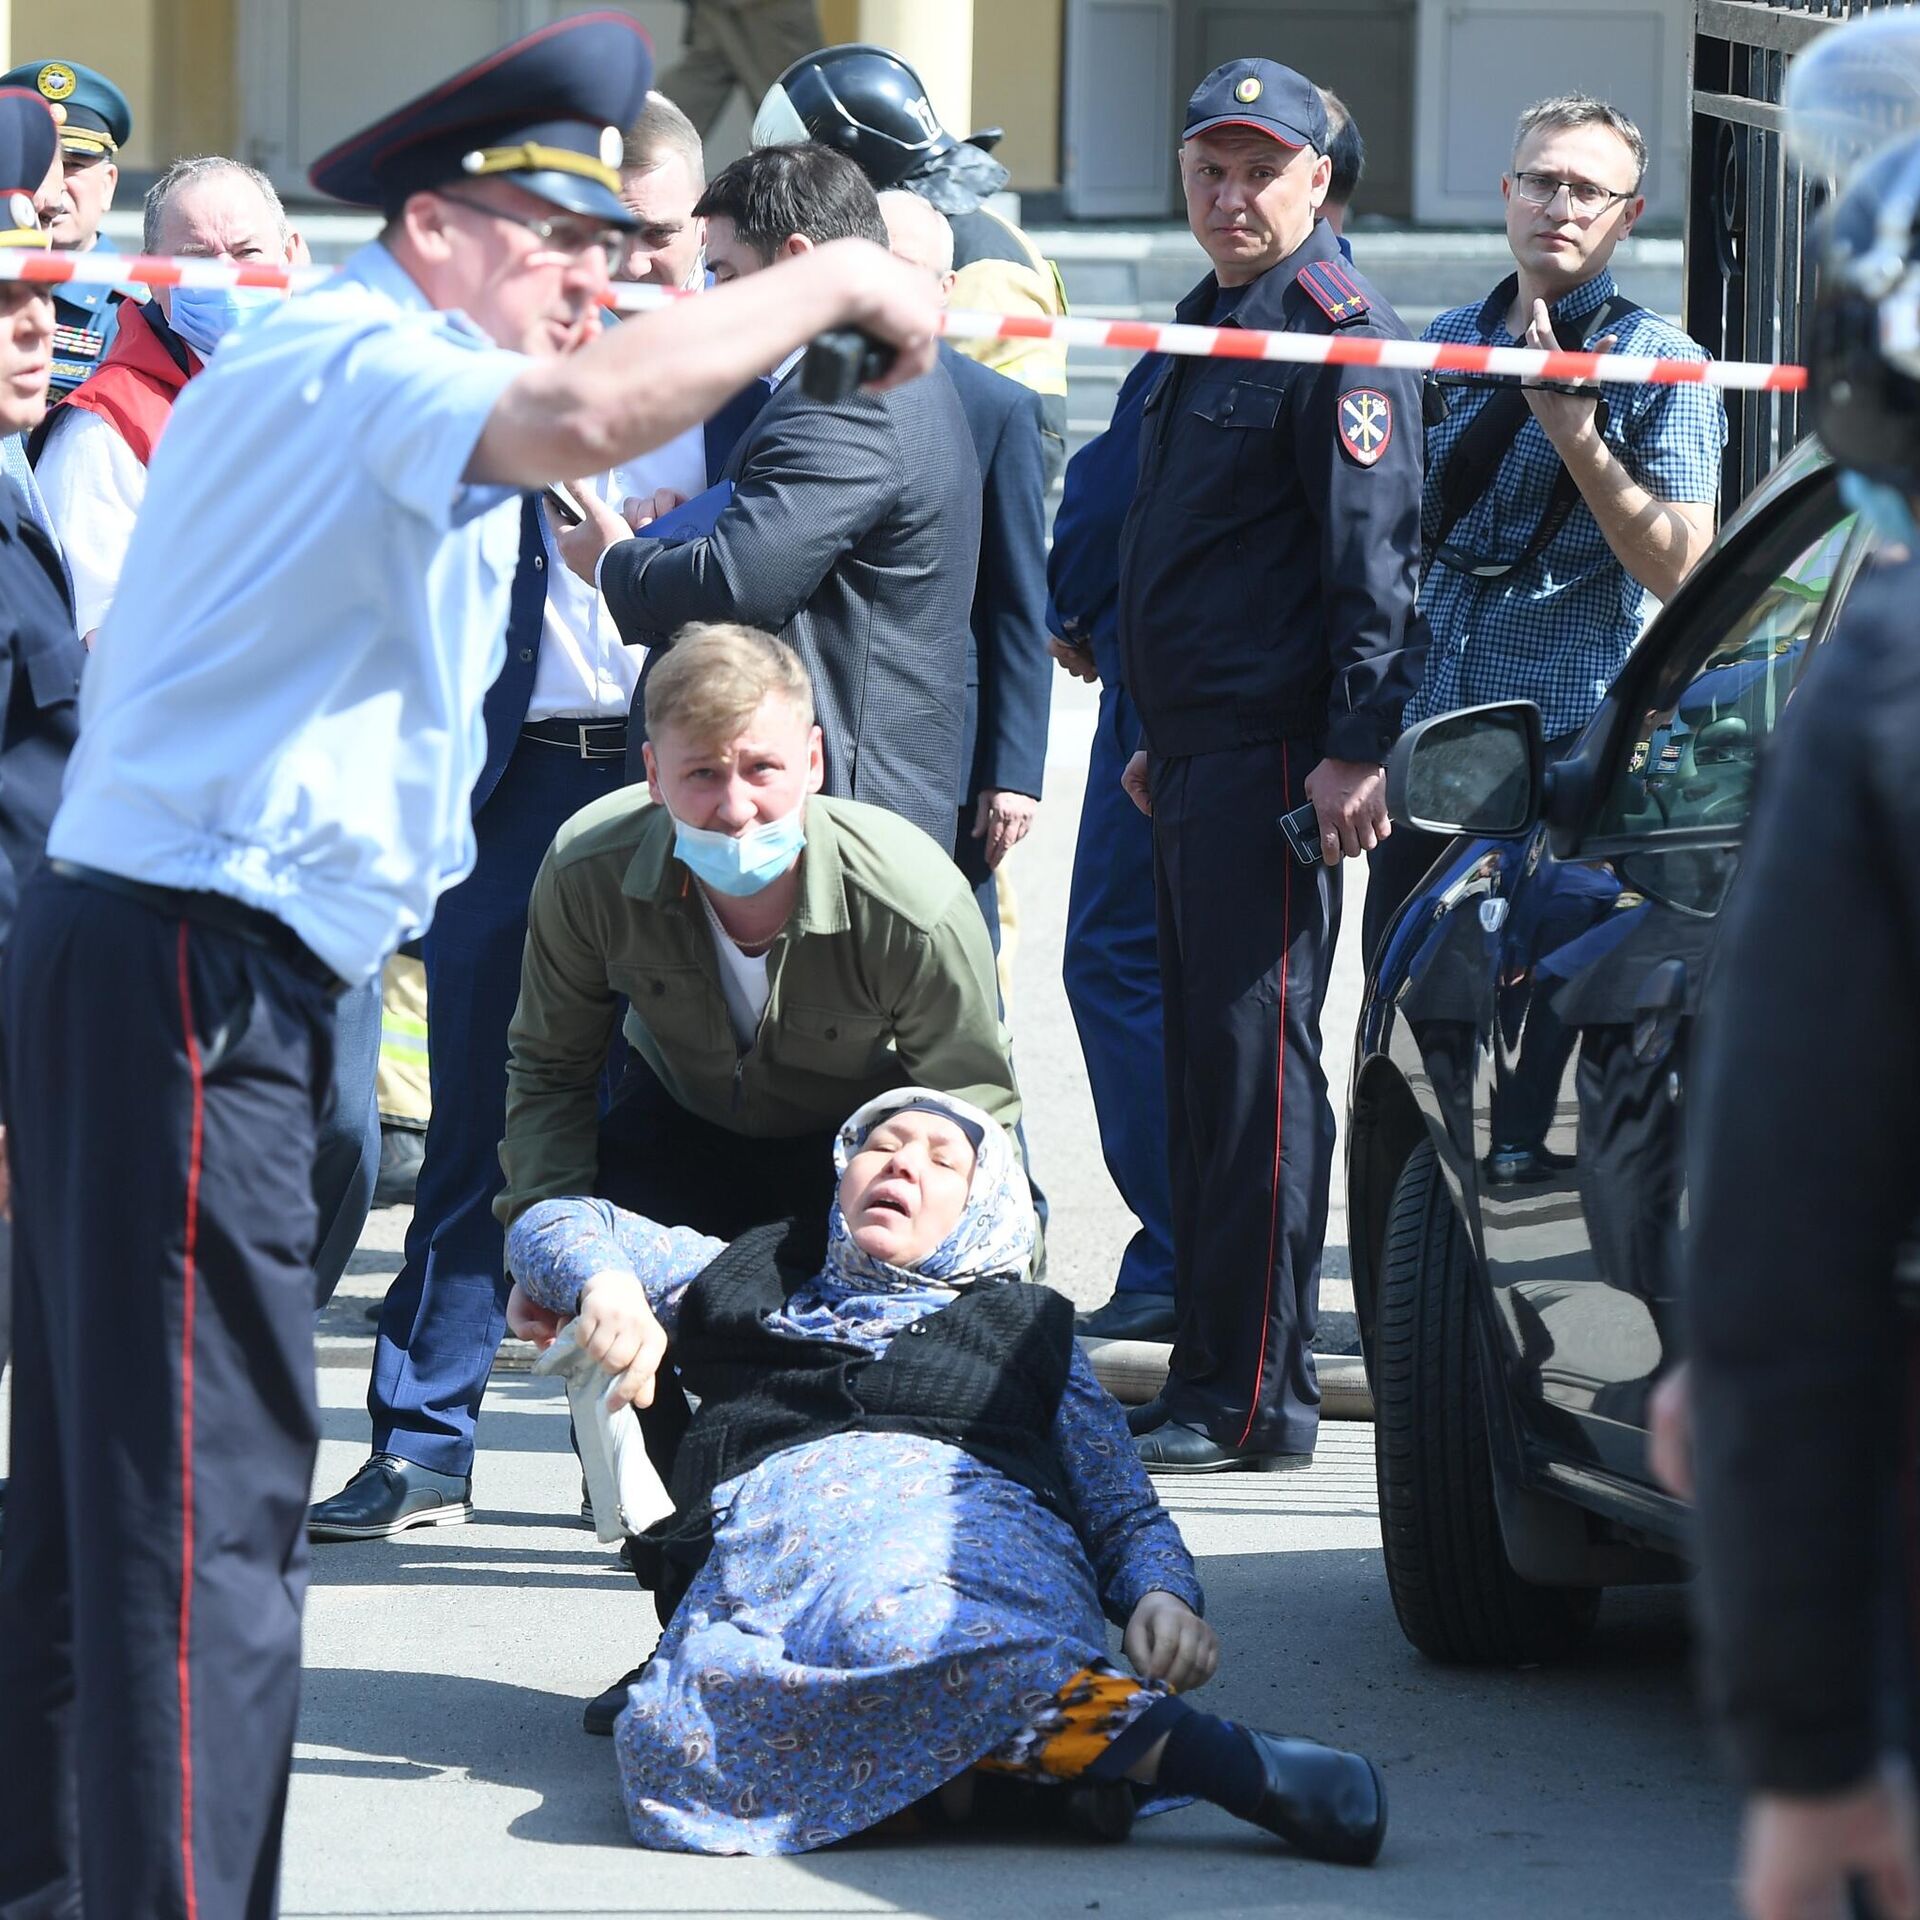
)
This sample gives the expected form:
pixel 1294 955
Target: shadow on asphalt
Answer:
pixel 491 1730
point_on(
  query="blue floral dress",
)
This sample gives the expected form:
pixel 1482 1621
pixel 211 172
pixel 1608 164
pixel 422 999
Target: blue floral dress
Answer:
pixel 880 1611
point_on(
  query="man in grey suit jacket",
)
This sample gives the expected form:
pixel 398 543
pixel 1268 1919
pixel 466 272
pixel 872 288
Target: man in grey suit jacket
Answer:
pixel 853 530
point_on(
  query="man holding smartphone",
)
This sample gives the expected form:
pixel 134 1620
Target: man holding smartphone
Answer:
pixel 1269 641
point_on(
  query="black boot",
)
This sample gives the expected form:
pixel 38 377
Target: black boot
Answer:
pixel 1322 1802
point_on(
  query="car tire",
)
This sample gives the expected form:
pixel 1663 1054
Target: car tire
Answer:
pixel 1457 1598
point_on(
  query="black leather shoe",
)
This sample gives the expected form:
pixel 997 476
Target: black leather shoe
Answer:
pixel 605 1708
pixel 389 1495
pixel 1144 1419
pixel 1130 1316
pixel 1176 1448
pixel 1322 1802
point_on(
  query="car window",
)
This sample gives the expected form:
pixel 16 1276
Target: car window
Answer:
pixel 1688 763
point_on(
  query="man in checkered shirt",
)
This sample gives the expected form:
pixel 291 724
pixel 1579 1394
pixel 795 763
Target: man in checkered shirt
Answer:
pixel 1514 618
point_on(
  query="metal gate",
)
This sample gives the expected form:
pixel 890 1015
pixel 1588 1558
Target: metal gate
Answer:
pixel 1751 213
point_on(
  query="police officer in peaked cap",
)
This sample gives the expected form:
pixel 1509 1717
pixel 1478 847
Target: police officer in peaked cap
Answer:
pixel 1269 640
pixel 871 105
pixel 272 790
pixel 96 123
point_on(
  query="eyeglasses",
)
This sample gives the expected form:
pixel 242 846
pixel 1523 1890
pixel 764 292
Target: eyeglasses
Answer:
pixel 567 237
pixel 1586 198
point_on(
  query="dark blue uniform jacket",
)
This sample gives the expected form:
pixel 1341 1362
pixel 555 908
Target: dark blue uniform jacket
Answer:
pixel 40 661
pixel 1083 570
pixel 1009 672
pixel 1270 561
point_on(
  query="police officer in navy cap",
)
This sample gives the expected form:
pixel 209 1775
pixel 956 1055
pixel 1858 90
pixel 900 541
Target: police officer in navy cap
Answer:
pixel 96 124
pixel 40 654
pixel 1269 639
pixel 272 789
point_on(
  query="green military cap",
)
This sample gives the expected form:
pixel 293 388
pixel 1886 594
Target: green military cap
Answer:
pixel 99 122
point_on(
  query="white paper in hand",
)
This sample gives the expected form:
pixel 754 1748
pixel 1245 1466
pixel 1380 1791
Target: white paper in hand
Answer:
pixel 627 1494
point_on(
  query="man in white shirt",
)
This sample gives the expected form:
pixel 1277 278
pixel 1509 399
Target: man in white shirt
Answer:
pixel 280 736
pixel 91 454
pixel 556 741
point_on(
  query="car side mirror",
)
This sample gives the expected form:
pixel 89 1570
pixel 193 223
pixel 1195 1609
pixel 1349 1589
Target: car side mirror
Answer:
pixel 1476 771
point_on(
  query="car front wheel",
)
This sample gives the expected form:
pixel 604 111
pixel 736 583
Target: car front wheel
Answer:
pixel 1457 1598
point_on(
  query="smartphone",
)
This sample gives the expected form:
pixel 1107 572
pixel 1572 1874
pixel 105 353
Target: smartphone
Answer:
pixel 1302 828
pixel 565 507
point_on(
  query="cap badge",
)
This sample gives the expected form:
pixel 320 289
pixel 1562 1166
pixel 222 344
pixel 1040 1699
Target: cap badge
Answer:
pixel 23 214
pixel 611 146
pixel 1248 91
pixel 55 81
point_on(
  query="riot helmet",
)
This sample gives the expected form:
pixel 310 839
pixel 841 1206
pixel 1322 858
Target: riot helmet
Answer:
pixel 1853 116
pixel 870 105
pixel 1863 356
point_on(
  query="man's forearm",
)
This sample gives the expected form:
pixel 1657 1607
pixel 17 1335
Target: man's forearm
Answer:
pixel 552 1146
pixel 1654 539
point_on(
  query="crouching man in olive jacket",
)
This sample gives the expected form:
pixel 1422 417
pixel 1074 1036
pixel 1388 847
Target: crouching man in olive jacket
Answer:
pixel 783 956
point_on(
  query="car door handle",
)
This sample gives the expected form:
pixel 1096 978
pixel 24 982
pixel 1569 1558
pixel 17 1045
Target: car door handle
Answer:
pixel 1658 1010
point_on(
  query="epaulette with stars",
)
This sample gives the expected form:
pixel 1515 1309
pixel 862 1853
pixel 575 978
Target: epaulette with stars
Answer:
pixel 1334 291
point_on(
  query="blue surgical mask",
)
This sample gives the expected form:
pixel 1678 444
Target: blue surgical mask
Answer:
pixel 1885 509
pixel 747 864
pixel 204 316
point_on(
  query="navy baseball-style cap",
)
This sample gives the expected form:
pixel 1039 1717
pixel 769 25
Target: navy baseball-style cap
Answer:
pixel 1261 94
pixel 28 135
pixel 546 112
pixel 98 120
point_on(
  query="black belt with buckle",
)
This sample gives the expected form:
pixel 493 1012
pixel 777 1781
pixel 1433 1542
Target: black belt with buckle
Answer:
pixel 590 739
pixel 217 910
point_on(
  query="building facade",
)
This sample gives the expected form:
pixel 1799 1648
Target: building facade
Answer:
pixel 1088 91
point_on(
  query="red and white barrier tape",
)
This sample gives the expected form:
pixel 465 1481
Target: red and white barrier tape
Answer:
pixel 1135 336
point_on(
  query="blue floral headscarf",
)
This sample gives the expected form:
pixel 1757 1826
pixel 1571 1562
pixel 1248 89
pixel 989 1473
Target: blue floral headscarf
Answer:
pixel 992 1239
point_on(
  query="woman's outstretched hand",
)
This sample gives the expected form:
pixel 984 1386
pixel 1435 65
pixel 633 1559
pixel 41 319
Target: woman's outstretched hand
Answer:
pixel 616 1326
pixel 1166 1640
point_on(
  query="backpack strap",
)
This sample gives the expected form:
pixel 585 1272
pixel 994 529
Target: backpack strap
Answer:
pixel 1479 452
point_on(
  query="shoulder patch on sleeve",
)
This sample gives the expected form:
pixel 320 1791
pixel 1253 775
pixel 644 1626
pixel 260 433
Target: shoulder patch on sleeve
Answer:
pixel 1334 291
pixel 1365 422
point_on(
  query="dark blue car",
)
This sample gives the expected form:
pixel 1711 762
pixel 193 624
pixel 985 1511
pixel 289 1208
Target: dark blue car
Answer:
pixel 1515 1182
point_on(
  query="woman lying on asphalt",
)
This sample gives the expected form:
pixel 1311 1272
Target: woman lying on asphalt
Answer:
pixel 908 1501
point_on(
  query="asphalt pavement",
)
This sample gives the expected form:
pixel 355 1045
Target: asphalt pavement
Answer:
pixel 441 1769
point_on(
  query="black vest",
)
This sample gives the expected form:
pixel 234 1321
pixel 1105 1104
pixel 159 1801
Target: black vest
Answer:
pixel 984 1374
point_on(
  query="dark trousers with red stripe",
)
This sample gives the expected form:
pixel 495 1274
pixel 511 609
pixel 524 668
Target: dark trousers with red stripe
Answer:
pixel 1246 946
pixel 163 1083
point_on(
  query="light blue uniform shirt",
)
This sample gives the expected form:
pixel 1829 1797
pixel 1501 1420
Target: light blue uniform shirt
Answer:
pixel 284 704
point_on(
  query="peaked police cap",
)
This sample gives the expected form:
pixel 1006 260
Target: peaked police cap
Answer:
pixel 98 119
pixel 28 136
